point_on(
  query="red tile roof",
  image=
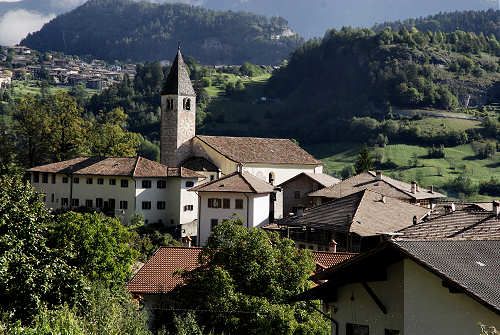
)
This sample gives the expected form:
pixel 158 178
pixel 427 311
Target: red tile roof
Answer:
pixel 159 276
pixel 259 150
pixel 115 166
pixel 240 182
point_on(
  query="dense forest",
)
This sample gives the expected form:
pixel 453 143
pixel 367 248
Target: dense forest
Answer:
pixel 140 31
pixel 479 22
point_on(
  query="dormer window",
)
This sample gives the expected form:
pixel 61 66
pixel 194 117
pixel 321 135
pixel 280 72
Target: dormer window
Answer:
pixel 187 104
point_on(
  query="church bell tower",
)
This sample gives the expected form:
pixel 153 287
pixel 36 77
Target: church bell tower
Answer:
pixel 178 115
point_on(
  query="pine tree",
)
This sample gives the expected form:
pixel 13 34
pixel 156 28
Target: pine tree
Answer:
pixel 364 162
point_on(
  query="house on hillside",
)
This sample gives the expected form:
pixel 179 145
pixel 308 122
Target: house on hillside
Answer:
pixel 414 287
pixel 120 186
pixel 376 181
pixel 353 223
pixel 239 194
pixel 296 190
pixel 159 276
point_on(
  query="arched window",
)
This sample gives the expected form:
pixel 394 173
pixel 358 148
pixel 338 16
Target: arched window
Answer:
pixel 271 178
pixel 187 104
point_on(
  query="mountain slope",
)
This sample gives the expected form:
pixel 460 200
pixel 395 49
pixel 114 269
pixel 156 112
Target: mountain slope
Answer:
pixel 127 30
pixel 485 22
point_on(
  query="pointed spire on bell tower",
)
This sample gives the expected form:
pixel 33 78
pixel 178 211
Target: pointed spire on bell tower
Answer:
pixel 178 81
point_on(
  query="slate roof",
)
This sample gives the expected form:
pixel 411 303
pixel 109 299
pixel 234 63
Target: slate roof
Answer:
pixel 178 81
pixel 158 274
pixel 461 224
pixel 367 180
pixel 239 182
pixel 259 150
pixel 321 178
pixel 115 166
pixel 200 164
pixel 471 266
pixel 363 213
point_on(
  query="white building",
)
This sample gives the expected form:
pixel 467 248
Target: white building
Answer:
pixel 120 187
pixel 239 194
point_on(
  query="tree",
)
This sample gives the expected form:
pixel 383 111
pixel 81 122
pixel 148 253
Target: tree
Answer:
pixel 97 246
pixel 364 162
pixel 246 280
pixel 107 136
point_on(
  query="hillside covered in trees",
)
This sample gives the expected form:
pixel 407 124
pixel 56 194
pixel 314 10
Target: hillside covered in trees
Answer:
pixel 141 31
pixel 479 22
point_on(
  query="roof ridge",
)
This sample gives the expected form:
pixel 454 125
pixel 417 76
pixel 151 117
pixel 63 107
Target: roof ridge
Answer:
pixel 246 181
pixel 135 165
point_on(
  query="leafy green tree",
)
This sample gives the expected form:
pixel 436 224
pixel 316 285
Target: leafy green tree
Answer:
pixel 246 280
pixel 97 246
pixel 364 161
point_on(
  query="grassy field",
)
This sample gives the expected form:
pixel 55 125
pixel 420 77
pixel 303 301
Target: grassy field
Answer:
pixel 33 87
pixel 429 171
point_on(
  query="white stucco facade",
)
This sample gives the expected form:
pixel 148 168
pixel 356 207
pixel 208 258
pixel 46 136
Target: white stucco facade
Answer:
pixel 255 211
pixel 416 303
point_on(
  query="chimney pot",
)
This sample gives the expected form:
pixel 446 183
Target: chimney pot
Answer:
pixel 415 220
pixel 413 187
pixel 379 175
pixel 496 208
pixel 384 199
pixel 432 189
pixel 332 246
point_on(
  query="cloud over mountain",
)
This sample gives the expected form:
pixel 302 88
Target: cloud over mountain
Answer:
pixel 16 24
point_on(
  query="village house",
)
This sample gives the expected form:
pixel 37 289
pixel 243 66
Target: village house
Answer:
pixel 121 187
pixel 376 181
pixel 352 223
pixel 444 287
pixel 5 78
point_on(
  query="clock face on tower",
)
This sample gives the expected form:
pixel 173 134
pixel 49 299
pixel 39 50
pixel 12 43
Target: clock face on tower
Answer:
pixel 186 127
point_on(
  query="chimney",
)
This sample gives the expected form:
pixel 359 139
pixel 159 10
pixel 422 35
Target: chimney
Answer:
pixel 413 187
pixel 332 246
pixel 496 208
pixel 415 220
pixel 379 175
pixel 431 189
pixel 186 240
pixel 239 168
pixel 384 199
pixel 300 211
pixel 219 173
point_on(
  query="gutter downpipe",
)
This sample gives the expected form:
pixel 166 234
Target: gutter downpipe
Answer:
pixel 199 219
pixel 248 211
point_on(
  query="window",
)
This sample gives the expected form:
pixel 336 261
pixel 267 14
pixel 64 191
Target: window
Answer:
pixel 226 203
pixel 111 203
pixel 90 181
pixel 76 180
pixel 296 195
pixel 64 202
pixel 238 204
pixel 100 181
pixel 161 184
pixel 213 224
pixel 123 204
pixel 45 178
pixel 188 208
pixel 88 203
pixel 214 203
pixel 75 202
pixel 52 197
pixel 36 177
pixel 124 183
pixel 99 203
pixel 53 178
pixel 65 180
pixel 112 182
pixel 146 205
pixel 145 184
pixel 353 329
pixel 391 332
pixel 187 104
pixel 189 183
pixel 160 205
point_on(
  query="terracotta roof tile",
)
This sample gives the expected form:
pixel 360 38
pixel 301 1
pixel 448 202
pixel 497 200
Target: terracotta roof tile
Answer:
pixel 240 182
pixel 363 213
pixel 260 150
pixel 326 259
pixel 200 164
pixel 115 166
pixel 367 180
pixel 321 178
pixel 158 274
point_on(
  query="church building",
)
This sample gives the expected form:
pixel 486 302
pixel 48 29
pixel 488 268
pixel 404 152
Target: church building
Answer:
pixel 205 159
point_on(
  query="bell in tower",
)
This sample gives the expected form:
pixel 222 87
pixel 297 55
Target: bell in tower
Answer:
pixel 178 114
